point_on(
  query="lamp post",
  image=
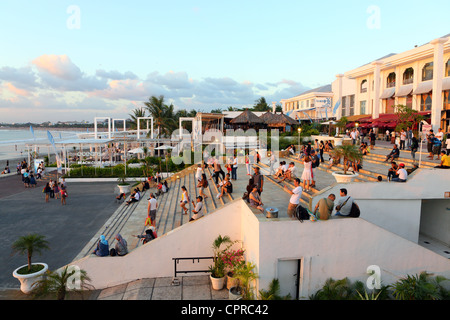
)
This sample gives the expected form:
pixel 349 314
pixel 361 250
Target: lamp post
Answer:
pixel 299 132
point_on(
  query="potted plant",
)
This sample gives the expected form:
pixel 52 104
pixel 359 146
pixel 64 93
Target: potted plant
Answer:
pixel 30 273
pixel 70 278
pixel 123 185
pixel 245 275
pixel 232 260
pixel 217 269
pixel 347 153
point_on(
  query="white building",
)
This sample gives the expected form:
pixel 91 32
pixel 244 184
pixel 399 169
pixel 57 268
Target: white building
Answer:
pixel 314 104
pixel 418 78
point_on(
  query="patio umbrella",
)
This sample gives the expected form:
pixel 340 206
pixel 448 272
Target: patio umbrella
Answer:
pixel 163 147
pixel 137 150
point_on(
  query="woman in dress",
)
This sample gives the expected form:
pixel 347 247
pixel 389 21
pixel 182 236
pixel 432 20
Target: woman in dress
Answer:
pixel 184 199
pixel 307 175
pixel 247 164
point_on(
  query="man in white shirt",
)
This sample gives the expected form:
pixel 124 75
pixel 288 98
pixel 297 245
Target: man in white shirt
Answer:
pixel 353 136
pixel 402 174
pixel 198 210
pixel 344 205
pixel 151 208
pixel 234 168
pixel 296 194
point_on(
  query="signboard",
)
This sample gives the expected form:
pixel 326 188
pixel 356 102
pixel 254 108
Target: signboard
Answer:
pixel 426 130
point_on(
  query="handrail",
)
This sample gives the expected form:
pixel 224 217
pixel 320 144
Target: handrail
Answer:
pixel 177 260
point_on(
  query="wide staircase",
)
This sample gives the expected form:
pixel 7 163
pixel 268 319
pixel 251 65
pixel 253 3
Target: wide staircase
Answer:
pixel 128 220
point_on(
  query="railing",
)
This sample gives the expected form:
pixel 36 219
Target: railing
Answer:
pixel 177 260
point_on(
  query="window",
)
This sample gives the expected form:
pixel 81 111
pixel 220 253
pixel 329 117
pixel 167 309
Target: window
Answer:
pixel 409 100
pixel 446 105
pixel 362 107
pixel 390 83
pixel 352 105
pixel 303 104
pixel 447 69
pixel 425 102
pixel 363 86
pixel 408 76
pixel 344 106
pixel 427 71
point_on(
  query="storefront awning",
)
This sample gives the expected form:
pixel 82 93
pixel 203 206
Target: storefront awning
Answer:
pixel 388 93
pixel 424 87
pixel 405 90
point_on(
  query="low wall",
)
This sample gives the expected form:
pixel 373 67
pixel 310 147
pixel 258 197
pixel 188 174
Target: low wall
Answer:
pixel 155 258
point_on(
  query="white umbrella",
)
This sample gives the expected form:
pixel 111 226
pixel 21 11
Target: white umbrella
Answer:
pixel 329 122
pixel 137 150
pixel 164 147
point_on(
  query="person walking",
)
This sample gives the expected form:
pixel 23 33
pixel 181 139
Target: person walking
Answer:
pixel 234 167
pixel 47 190
pixel 151 208
pixel 184 199
pixel 202 185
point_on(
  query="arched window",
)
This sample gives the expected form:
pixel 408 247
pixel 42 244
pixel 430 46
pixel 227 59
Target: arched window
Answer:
pixel 363 86
pixel 390 81
pixel 427 71
pixel 408 76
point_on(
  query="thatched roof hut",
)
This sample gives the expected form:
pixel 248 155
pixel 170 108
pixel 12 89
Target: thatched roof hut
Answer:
pixel 278 120
pixel 247 118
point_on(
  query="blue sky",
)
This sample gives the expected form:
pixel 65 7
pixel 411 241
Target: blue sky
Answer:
pixel 106 58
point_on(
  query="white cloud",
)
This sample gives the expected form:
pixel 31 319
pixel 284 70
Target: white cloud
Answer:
pixel 53 84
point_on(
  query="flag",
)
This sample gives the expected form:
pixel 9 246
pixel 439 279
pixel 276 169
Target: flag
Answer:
pixel 32 132
pixel 58 160
pixel 336 106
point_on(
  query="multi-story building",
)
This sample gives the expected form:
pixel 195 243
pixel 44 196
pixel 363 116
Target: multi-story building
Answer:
pixel 314 104
pixel 418 78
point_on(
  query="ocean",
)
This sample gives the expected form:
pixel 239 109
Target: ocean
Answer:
pixel 12 141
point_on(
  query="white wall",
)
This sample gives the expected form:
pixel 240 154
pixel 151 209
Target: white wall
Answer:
pixel 433 211
pixel 395 206
pixel 341 248
pixel 155 258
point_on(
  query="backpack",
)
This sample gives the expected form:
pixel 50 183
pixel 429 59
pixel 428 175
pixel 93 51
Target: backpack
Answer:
pixel 315 162
pixel 354 211
pixel 301 213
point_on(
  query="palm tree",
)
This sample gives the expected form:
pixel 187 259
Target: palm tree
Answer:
pixel 163 115
pixel 348 153
pixel 137 113
pixel 58 283
pixel 29 244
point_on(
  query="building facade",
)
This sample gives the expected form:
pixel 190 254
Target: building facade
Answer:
pixel 418 78
pixel 315 104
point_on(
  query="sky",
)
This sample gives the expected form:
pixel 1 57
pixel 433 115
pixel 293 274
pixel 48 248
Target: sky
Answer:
pixel 76 60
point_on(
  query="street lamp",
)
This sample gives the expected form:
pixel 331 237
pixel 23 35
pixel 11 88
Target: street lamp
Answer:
pixel 299 132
